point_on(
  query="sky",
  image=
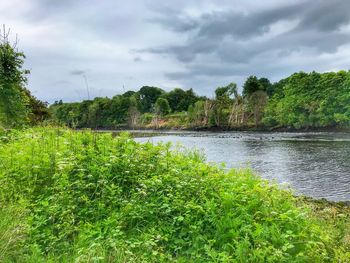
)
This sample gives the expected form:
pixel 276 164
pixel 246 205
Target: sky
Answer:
pixel 124 45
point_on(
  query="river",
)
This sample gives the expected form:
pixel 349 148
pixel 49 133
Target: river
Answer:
pixel 314 164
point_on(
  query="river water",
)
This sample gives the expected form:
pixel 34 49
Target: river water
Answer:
pixel 313 164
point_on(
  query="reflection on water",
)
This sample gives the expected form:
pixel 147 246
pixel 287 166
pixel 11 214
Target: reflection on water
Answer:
pixel 313 164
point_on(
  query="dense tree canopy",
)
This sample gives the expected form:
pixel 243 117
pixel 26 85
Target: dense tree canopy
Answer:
pixel 123 109
pixel 300 101
pixel 311 100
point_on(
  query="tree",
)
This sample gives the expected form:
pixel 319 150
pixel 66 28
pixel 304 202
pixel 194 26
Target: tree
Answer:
pixel 13 100
pixel 253 84
pixel 118 110
pixel 179 100
pixel 129 94
pixel 162 107
pixel 250 86
pixel 266 86
pixel 258 101
pixel 148 96
pixel 226 92
pixel 133 113
pixel 208 111
pixel 222 103
pixel 306 100
pixel 174 98
pixel 39 111
pixel 237 111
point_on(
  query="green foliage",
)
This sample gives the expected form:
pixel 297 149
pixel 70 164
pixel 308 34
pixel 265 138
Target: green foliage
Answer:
pixel 13 101
pixel 121 109
pixel 311 100
pixel 253 84
pixel 38 109
pixel 146 118
pixel 97 113
pixel 177 120
pixel 162 107
pixel 225 92
pixel 13 230
pixel 17 105
pixel 94 198
pixel 148 97
pixel 196 113
pixel 266 86
pixel 222 104
pixel 179 100
pixel 257 103
pixel 300 101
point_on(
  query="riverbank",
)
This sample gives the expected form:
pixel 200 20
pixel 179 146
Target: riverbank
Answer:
pixel 69 196
pixel 226 129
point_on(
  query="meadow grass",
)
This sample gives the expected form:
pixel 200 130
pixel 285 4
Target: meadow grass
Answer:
pixel 79 196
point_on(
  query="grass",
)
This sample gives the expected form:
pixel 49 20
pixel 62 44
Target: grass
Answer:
pixel 71 196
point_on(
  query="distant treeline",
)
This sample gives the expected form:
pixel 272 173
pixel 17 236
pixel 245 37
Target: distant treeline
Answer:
pixel 303 100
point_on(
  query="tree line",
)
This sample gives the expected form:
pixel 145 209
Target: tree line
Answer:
pixel 302 100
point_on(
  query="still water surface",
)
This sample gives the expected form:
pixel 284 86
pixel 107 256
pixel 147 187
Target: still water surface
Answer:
pixel 313 164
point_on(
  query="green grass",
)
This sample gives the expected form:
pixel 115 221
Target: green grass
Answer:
pixel 71 196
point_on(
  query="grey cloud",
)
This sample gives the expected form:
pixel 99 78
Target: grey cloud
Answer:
pixel 220 24
pixel 244 26
pixel 326 15
pixel 238 39
pixel 284 45
pixel 188 52
pixel 175 22
pixel 212 70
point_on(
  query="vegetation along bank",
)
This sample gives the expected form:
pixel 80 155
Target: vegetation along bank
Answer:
pixel 88 197
pixel 309 101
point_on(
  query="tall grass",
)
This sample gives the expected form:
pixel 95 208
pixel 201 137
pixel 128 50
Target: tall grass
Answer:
pixel 70 196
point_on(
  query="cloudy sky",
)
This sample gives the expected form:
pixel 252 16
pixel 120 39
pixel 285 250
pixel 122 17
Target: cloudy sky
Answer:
pixel 183 43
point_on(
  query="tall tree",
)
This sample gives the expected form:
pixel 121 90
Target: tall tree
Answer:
pixel 13 100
